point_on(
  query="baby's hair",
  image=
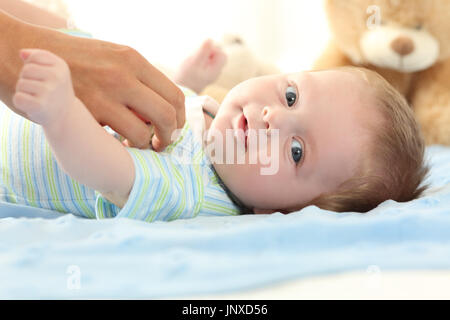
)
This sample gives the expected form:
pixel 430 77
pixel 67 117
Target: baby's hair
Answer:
pixel 394 167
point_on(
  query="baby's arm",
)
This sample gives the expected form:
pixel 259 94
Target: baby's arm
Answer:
pixel 81 146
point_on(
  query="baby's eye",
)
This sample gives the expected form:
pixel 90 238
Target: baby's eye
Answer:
pixel 291 95
pixel 297 151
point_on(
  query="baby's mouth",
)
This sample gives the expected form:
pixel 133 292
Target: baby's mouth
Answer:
pixel 243 125
pixel 246 133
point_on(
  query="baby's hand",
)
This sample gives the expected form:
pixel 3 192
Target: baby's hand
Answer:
pixel 202 68
pixel 44 91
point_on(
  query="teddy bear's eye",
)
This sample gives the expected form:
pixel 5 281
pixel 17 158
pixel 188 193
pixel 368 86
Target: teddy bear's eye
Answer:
pixel 418 26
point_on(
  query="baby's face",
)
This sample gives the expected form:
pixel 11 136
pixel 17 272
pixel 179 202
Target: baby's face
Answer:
pixel 315 129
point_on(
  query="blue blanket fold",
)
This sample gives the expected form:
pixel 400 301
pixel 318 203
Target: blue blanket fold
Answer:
pixel 45 254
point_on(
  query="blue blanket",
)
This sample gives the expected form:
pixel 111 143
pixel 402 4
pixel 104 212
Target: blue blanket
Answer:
pixel 47 255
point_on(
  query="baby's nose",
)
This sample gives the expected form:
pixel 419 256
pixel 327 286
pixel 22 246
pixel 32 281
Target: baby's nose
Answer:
pixel 276 117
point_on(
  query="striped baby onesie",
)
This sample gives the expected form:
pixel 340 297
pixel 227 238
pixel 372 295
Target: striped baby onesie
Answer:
pixel 177 183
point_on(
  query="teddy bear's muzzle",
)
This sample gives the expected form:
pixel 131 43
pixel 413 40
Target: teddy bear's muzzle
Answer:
pixel 401 49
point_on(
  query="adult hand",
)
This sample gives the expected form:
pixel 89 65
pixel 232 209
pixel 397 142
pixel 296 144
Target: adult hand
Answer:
pixel 118 86
pixel 112 79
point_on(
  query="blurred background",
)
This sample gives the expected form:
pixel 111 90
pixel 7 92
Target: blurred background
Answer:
pixel 288 33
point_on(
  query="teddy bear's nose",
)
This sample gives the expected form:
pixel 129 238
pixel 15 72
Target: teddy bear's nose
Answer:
pixel 403 46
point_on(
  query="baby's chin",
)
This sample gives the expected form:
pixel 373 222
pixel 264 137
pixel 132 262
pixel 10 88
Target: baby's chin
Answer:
pixel 238 179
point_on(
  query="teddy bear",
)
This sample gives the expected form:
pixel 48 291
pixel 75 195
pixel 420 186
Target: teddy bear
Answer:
pixel 405 41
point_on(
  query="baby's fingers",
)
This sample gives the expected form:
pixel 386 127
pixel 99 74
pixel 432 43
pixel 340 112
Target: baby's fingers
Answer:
pixel 25 102
pixel 42 73
pixel 219 57
pixel 33 87
pixel 38 56
pixel 36 72
pixel 42 65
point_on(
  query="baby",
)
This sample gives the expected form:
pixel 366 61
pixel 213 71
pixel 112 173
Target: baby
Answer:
pixel 341 139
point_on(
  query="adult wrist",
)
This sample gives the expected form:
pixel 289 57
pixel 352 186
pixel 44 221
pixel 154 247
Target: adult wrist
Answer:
pixel 15 36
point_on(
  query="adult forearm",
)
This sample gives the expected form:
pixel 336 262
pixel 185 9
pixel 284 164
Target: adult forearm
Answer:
pixel 17 35
pixel 109 78
pixel 10 63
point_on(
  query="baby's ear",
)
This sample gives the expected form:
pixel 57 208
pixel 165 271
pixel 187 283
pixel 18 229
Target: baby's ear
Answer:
pixel 263 211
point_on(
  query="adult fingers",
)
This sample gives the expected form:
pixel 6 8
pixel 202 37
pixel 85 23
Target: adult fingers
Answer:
pixel 127 124
pixel 165 88
pixel 161 113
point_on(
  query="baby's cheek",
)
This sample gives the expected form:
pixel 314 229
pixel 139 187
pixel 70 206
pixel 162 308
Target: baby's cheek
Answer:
pixel 258 188
pixel 266 153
